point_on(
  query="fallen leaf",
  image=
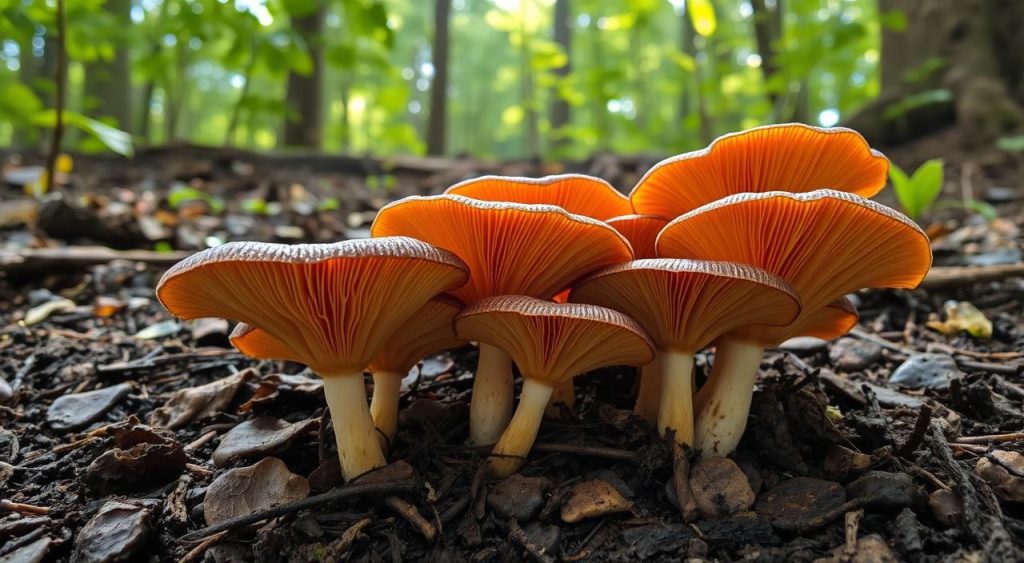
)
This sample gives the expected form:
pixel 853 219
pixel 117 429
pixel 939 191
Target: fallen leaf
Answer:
pixel 142 456
pixel 77 410
pixel 245 490
pixel 590 499
pixel 259 437
pixel 118 532
pixel 963 316
pixel 197 403
pixel 40 313
pixel 1004 470
pixel 159 330
pixel 518 497
pixel 720 487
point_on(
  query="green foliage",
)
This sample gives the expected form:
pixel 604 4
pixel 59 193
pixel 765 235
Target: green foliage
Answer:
pixel 917 192
pixel 1013 143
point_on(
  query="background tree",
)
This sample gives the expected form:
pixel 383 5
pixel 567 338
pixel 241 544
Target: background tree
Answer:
pixel 437 128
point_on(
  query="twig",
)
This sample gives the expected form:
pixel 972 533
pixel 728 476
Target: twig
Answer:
pixel 538 552
pixel 407 510
pixel 852 527
pixel 946 277
pixel 924 417
pixel 200 441
pixel 963 363
pixel 11 506
pixel 33 259
pixel 592 451
pixel 197 551
pixel 150 363
pixel 347 492
pixel 990 439
pixel 61 82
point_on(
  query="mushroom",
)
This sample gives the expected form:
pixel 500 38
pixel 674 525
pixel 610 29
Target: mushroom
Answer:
pixel 641 231
pixel 792 157
pixel 684 305
pixel 329 306
pixel 575 193
pixel 511 249
pixel 551 343
pixel 825 243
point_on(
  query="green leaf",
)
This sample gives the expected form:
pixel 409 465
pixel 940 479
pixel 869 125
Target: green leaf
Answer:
pixel 894 20
pixel 702 14
pixel 113 138
pixel 1011 144
pixel 921 189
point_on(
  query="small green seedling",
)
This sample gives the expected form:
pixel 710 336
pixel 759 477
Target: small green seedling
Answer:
pixel 917 192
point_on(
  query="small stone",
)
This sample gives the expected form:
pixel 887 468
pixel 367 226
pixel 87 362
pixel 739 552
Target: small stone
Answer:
pixel 518 497
pixel 799 499
pixel 593 498
pixel 928 371
pixel 945 507
pixel 885 490
pixel 547 536
pixel 804 345
pixel 6 472
pixel 77 410
pixel 118 532
pixel 720 487
pixel 854 354
pixel 6 392
pixel 9 446
pixel 211 332
pixel 259 437
pixel 1003 470
pixel 31 553
pixel 1001 194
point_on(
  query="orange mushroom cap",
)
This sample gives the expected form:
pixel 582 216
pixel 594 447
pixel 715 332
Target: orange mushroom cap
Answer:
pixel 554 342
pixel 825 243
pixel 427 331
pixel 641 231
pixel 685 304
pixel 829 322
pixel 510 248
pixel 792 157
pixel 331 305
pixel 576 193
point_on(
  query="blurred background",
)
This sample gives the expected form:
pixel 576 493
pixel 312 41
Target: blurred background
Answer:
pixel 500 79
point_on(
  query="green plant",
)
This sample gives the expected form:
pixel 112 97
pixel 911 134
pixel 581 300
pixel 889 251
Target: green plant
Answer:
pixel 918 191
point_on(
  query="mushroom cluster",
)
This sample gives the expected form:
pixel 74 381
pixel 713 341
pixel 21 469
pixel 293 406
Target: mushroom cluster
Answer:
pixel 740 246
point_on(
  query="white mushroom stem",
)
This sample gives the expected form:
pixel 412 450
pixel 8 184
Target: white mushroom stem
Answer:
pixel 675 412
pixel 490 408
pixel 648 398
pixel 723 403
pixel 387 387
pixel 510 452
pixel 358 447
pixel 565 395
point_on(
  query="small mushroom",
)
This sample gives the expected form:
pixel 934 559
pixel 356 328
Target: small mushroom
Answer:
pixel 329 306
pixel 575 193
pixel 684 305
pixel 792 156
pixel 825 243
pixel 511 249
pixel 551 343
pixel 641 231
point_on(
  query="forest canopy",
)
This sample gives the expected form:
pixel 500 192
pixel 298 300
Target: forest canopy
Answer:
pixel 503 78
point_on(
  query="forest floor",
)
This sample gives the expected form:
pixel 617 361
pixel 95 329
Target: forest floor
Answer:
pixel 126 434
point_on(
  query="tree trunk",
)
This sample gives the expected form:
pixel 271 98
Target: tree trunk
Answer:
pixel 532 132
pixel 437 125
pixel 766 32
pixel 108 84
pixel 305 93
pixel 689 46
pixel 976 85
pixel 560 112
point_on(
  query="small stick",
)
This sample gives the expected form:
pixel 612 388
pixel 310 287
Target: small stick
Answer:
pixel 346 492
pixel 990 439
pixel 200 441
pixel 11 506
pixel 592 451
pixel 517 533
pixel 852 527
pixel 407 510
pixel 924 418
pixel 197 551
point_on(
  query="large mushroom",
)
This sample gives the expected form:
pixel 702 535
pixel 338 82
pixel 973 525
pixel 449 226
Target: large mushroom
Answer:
pixel 575 193
pixel 825 243
pixel 510 249
pixel 792 157
pixel 329 306
pixel 551 343
pixel 684 305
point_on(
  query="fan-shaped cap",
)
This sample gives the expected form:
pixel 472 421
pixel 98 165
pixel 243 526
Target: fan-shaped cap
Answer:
pixel 331 305
pixel 685 304
pixel 576 193
pixel 641 231
pixel 554 342
pixel 511 248
pixel 429 330
pixel 791 157
pixel 825 243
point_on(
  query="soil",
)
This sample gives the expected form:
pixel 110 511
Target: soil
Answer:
pixel 850 455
